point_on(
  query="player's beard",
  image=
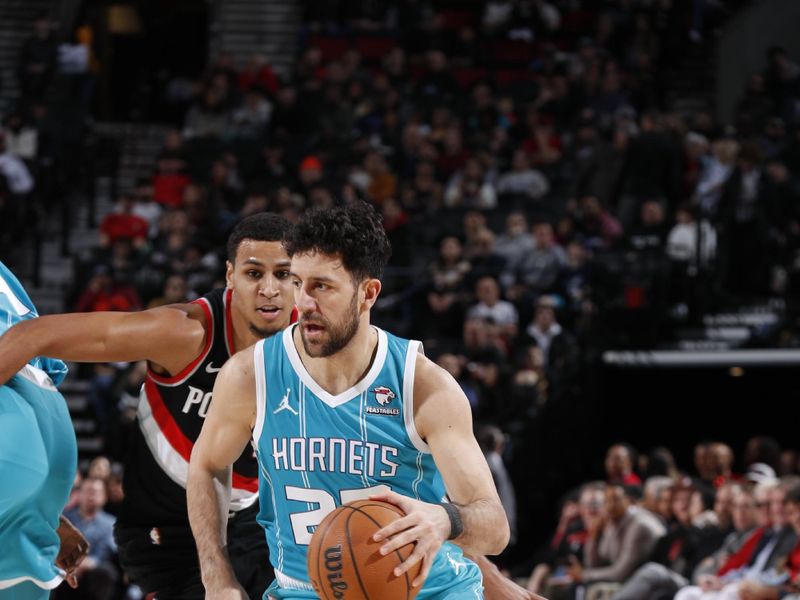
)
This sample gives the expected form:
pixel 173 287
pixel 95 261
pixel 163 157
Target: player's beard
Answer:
pixel 338 336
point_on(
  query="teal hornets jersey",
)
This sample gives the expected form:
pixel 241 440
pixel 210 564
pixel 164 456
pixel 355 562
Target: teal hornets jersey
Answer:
pixel 317 451
pixel 39 458
pixel 16 306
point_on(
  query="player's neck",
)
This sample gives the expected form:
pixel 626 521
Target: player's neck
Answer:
pixel 341 371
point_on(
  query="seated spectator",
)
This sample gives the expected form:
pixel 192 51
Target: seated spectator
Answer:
pixel 169 182
pixel 626 538
pixel 659 461
pixel 760 560
pixel 381 182
pixel 104 293
pixel 619 465
pixel 522 181
pixel 468 188
pixel 677 553
pixel 649 235
pixel 657 497
pixel 258 73
pixel 745 520
pixel 751 590
pixel 575 521
pixel 683 242
pixel 176 291
pixel 21 137
pixel 484 260
pixel 548 334
pixel 491 306
pixel 537 271
pixel 250 120
pixel 17 177
pixel 123 223
pixel 714 175
pixel 423 194
pixel 97 574
pixel 515 242
pixel 207 118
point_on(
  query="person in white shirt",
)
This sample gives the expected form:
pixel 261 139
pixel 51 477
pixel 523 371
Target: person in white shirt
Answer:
pixel 490 306
pixel 17 176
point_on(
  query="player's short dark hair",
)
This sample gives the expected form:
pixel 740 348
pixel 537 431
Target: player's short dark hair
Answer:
pixel 353 232
pixel 260 227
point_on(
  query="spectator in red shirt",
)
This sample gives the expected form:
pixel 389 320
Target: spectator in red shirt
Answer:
pixel 259 73
pixel 103 293
pixel 619 465
pixel 123 223
pixel 169 182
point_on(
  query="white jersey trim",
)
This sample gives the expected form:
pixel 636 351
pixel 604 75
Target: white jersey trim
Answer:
pixel 45 585
pixel 38 378
pixel 408 397
pixel 290 583
pixel 347 395
pixel 170 460
pixel 261 390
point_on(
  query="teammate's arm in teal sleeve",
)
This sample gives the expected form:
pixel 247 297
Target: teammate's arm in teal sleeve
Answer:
pixel 226 432
pixel 167 336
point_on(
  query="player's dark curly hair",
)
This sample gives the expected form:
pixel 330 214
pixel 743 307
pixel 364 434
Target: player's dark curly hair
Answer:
pixel 353 232
pixel 260 227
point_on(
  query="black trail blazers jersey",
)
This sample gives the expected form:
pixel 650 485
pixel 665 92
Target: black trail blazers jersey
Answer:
pixel 170 416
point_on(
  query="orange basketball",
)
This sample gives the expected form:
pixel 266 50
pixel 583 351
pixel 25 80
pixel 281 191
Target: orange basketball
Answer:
pixel 344 563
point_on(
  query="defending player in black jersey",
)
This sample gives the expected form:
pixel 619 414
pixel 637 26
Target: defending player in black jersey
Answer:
pixel 185 345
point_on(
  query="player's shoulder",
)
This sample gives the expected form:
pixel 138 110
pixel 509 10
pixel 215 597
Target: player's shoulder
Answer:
pixel 431 379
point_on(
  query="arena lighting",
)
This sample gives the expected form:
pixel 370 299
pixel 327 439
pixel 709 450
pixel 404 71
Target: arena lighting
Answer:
pixel 712 358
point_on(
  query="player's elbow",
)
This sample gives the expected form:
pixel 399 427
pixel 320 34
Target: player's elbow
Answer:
pixel 496 538
pixel 502 534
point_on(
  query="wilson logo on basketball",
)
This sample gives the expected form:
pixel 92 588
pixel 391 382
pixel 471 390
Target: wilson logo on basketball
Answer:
pixel 384 396
pixel 333 564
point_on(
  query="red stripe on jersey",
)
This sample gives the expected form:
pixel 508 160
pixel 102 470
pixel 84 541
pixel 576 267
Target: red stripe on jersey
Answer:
pixel 293 318
pixel 200 357
pixel 241 482
pixel 229 322
pixel 178 440
pixel 166 423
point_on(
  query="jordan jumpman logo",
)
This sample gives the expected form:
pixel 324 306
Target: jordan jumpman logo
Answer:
pixel 284 405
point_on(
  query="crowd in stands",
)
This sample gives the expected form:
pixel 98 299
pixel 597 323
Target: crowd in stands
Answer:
pixel 649 531
pixel 534 187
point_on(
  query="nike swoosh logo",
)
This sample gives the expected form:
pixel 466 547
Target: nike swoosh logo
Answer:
pixel 210 368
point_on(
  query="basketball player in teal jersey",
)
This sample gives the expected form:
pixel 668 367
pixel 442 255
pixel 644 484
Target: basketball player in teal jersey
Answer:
pixel 38 458
pixel 340 410
pixel 185 346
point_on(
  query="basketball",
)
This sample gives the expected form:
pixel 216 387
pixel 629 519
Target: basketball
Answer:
pixel 344 562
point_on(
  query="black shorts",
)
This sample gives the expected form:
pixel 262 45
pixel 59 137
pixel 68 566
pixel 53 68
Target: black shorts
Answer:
pixel 163 560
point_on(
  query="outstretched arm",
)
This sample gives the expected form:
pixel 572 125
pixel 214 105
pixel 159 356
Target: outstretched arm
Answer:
pixel 226 432
pixel 167 336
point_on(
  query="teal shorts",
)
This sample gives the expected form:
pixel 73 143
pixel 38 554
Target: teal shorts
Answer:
pixel 38 459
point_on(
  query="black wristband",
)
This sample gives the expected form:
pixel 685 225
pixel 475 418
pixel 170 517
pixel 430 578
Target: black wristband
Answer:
pixel 456 524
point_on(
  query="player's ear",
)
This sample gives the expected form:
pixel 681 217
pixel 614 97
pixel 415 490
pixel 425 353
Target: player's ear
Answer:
pixel 229 274
pixel 372 288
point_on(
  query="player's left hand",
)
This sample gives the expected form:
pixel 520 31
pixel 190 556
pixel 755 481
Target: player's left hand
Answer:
pixel 426 524
pixel 74 548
